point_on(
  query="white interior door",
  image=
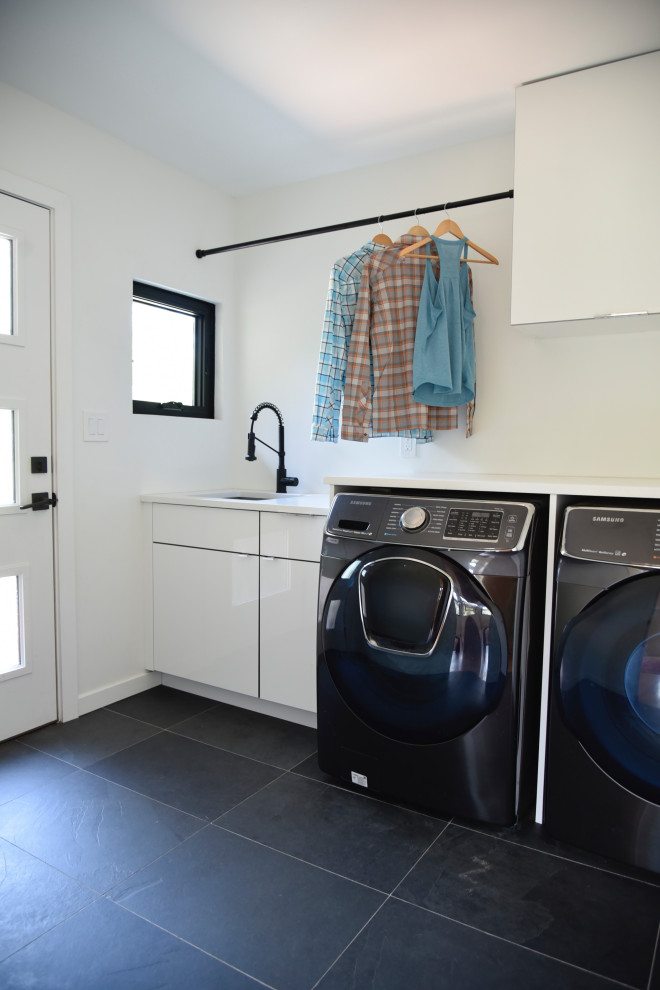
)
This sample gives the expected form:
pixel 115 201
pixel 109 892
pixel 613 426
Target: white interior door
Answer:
pixel 28 696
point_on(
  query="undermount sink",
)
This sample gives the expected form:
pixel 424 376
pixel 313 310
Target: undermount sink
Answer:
pixel 248 496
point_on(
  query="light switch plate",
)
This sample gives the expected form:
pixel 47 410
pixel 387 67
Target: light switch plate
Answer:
pixel 95 427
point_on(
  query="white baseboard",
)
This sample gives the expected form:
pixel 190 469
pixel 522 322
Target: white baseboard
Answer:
pixel 242 701
pixel 93 700
pixel 117 692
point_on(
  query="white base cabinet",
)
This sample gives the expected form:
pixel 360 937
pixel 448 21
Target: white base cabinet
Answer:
pixel 206 616
pixel 235 600
pixel 287 631
pixel 290 548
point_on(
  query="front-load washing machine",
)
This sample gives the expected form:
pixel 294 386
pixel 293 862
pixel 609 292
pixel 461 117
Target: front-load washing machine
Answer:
pixel 602 782
pixel 429 645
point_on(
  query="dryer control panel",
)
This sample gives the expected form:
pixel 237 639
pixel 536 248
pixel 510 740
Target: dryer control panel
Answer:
pixel 416 520
pixel 619 536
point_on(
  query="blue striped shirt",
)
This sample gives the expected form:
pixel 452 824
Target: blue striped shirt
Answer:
pixel 343 291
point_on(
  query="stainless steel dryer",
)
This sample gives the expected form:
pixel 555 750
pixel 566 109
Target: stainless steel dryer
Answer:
pixel 602 783
pixel 429 644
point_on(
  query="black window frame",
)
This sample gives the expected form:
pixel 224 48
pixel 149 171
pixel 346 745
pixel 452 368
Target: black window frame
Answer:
pixel 204 313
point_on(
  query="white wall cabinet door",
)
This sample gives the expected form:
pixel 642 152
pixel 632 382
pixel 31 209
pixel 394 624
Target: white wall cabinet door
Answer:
pixel 586 211
pixel 206 616
pixel 289 592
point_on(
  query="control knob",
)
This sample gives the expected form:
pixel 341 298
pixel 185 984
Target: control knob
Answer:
pixel 414 518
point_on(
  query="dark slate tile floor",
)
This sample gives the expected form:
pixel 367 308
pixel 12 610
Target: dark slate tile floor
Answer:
pixel 169 841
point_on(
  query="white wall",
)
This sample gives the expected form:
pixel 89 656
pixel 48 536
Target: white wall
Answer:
pixel 131 217
pixel 574 405
pixel 570 405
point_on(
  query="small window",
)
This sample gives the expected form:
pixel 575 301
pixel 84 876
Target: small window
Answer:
pixel 173 353
pixel 6 285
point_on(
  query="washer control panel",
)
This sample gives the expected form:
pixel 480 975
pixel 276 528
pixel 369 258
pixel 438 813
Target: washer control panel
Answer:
pixel 415 520
pixel 619 536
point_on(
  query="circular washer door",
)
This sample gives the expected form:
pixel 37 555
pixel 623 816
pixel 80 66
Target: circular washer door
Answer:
pixel 607 680
pixel 414 645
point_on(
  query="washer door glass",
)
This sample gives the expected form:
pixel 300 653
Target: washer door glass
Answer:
pixel 414 645
pixel 608 682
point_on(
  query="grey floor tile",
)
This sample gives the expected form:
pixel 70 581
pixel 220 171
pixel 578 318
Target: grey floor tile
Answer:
pixel 93 830
pixel 162 706
pixel 270 887
pixel 536 836
pixel 85 740
pixel 34 898
pixel 600 921
pixel 654 983
pixel 106 948
pixel 261 737
pixel 310 768
pixel 406 947
pixel 280 920
pixel 23 769
pixel 369 841
pixel 198 779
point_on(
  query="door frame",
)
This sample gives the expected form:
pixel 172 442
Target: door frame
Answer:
pixel 62 427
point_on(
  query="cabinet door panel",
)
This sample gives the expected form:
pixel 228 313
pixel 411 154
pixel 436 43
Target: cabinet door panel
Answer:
pixel 286 534
pixel 207 527
pixel 206 615
pixel 289 590
pixel 587 198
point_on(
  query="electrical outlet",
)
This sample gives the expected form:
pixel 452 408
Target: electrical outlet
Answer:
pixel 407 447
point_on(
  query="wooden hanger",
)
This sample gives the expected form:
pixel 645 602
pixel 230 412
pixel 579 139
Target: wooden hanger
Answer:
pixel 418 231
pixel 382 237
pixel 448 227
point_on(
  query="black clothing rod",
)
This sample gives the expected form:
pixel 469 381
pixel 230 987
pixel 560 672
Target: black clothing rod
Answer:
pixel 368 221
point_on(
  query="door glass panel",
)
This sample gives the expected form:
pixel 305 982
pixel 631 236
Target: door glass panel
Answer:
pixel 608 676
pixel 642 681
pixel 6 286
pixel 7 458
pixel 403 604
pixel 11 652
pixel 417 654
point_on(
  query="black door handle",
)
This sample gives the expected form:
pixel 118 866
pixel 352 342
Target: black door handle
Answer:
pixel 40 500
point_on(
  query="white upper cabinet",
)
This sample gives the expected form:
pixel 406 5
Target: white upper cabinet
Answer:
pixel 586 215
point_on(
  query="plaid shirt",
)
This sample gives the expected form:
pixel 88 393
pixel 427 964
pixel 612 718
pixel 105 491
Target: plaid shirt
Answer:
pixel 378 389
pixel 343 290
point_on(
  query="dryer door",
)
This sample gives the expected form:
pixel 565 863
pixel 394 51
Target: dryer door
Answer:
pixel 607 679
pixel 414 645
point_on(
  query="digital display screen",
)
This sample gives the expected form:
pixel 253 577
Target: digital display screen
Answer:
pixel 473 524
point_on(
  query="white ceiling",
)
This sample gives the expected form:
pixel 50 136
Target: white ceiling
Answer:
pixel 248 94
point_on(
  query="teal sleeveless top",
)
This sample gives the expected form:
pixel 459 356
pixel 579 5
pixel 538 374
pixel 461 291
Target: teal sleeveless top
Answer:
pixel 443 357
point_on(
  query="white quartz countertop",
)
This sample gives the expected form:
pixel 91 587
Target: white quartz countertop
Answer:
pixel 313 504
pixel 530 484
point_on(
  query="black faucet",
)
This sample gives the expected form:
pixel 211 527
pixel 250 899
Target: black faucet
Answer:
pixel 282 480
